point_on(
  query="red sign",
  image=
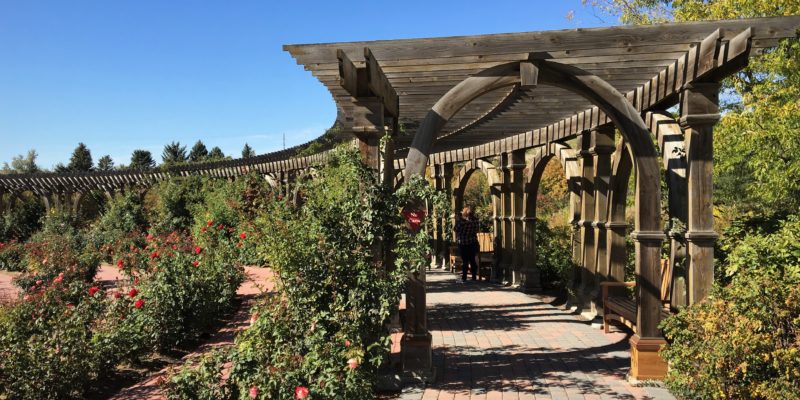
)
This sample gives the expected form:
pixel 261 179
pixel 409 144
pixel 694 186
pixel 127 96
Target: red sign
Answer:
pixel 414 219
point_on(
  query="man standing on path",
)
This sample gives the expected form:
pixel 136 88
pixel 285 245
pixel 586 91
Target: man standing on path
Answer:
pixel 467 239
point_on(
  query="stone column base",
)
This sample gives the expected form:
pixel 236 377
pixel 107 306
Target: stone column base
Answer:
pixel 417 357
pixel 646 363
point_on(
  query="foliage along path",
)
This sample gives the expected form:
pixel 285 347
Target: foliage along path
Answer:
pixel 493 342
pixel 257 281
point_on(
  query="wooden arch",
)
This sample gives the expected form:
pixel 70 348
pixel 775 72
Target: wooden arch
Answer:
pixel 465 172
pixel 648 234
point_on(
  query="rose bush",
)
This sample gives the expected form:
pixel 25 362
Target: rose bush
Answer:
pixel 323 335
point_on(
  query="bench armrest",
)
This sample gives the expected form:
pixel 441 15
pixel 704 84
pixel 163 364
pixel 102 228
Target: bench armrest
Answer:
pixel 606 285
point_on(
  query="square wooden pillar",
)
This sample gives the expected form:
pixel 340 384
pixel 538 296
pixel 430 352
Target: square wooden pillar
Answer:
pixel 443 177
pixel 587 260
pixel 516 172
pixel 699 114
pixel 602 148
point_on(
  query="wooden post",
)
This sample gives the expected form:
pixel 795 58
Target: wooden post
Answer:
pixel 602 147
pixel 506 233
pixel 497 226
pixel 587 269
pixel 699 114
pixel 516 171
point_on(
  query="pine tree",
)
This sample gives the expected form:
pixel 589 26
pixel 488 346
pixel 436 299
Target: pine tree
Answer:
pixel 247 151
pixel 142 160
pixel 199 152
pixel 105 163
pixel 81 159
pixel 174 153
pixel 216 154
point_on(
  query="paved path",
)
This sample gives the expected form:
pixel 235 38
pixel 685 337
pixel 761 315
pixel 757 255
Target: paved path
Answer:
pixel 492 342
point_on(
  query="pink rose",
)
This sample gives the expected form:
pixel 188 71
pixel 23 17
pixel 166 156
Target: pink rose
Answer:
pixel 300 392
pixel 352 363
pixel 253 392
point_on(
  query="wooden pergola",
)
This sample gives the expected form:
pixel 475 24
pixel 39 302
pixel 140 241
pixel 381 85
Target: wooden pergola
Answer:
pixel 506 104
pixel 520 99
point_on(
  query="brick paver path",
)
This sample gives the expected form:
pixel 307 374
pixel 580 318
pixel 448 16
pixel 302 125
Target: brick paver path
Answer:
pixel 492 342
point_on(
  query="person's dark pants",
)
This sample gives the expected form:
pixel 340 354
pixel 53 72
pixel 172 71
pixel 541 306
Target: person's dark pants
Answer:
pixel 468 254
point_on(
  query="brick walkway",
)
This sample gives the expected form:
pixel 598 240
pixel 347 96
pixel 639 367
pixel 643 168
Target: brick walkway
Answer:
pixel 492 342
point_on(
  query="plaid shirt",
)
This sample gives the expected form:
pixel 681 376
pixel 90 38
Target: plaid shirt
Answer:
pixel 466 231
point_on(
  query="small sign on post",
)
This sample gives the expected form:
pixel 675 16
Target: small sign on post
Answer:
pixel 414 219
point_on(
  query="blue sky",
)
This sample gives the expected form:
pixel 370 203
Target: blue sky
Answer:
pixel 122 75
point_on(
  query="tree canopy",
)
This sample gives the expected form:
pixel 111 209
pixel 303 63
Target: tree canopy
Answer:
pixel 142 160
pixel 81 159
pixel 248 151
pixel 22 164
pixel 105 163
pixel 199 152
pixel 174 153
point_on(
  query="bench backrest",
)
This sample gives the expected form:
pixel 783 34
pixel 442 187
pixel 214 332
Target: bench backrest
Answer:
pixel 485 240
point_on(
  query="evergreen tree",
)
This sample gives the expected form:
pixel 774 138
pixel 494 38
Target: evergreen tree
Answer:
pixel 216 154
pixel 81 159
pixel 174 153
pixel 105 163
pixel 142 160
pixel 22 164
pixel 247 151
pixel 199 152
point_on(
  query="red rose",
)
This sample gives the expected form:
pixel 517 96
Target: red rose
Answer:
pixel 153 254
pixel 136 280
pixel 352 363
pixel 149 237
pixel 93 290
pixel 139 303
pixel 203 229
pixel 117 295
pixel 59 278
pixel 133 292
pixel 174 247
pixel 300 392
pixel 198 250
pixel 347 343
pixel 209 223
pixel 253 392
pixel 195 263
pixel 120 263
pixel 243 235
pixel 220 227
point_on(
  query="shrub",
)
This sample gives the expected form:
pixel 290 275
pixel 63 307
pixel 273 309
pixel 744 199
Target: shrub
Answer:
pixel 49 343
pixel 20 222
pixel 58 248
pixel 119 227
pixel 744 340
pixel 11 254
pixel 175 200
pixel 324 332
pixel 554 253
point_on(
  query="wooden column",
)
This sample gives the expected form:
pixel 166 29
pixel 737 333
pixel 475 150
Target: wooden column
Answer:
pixel 699 113
pixel 506 228
pixel 443 177
pixel 516 169
pixel 495 190
pixel 587 259
pixel 602 147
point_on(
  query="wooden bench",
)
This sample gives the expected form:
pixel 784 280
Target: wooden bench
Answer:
pixel 623 309
pixel 485 256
